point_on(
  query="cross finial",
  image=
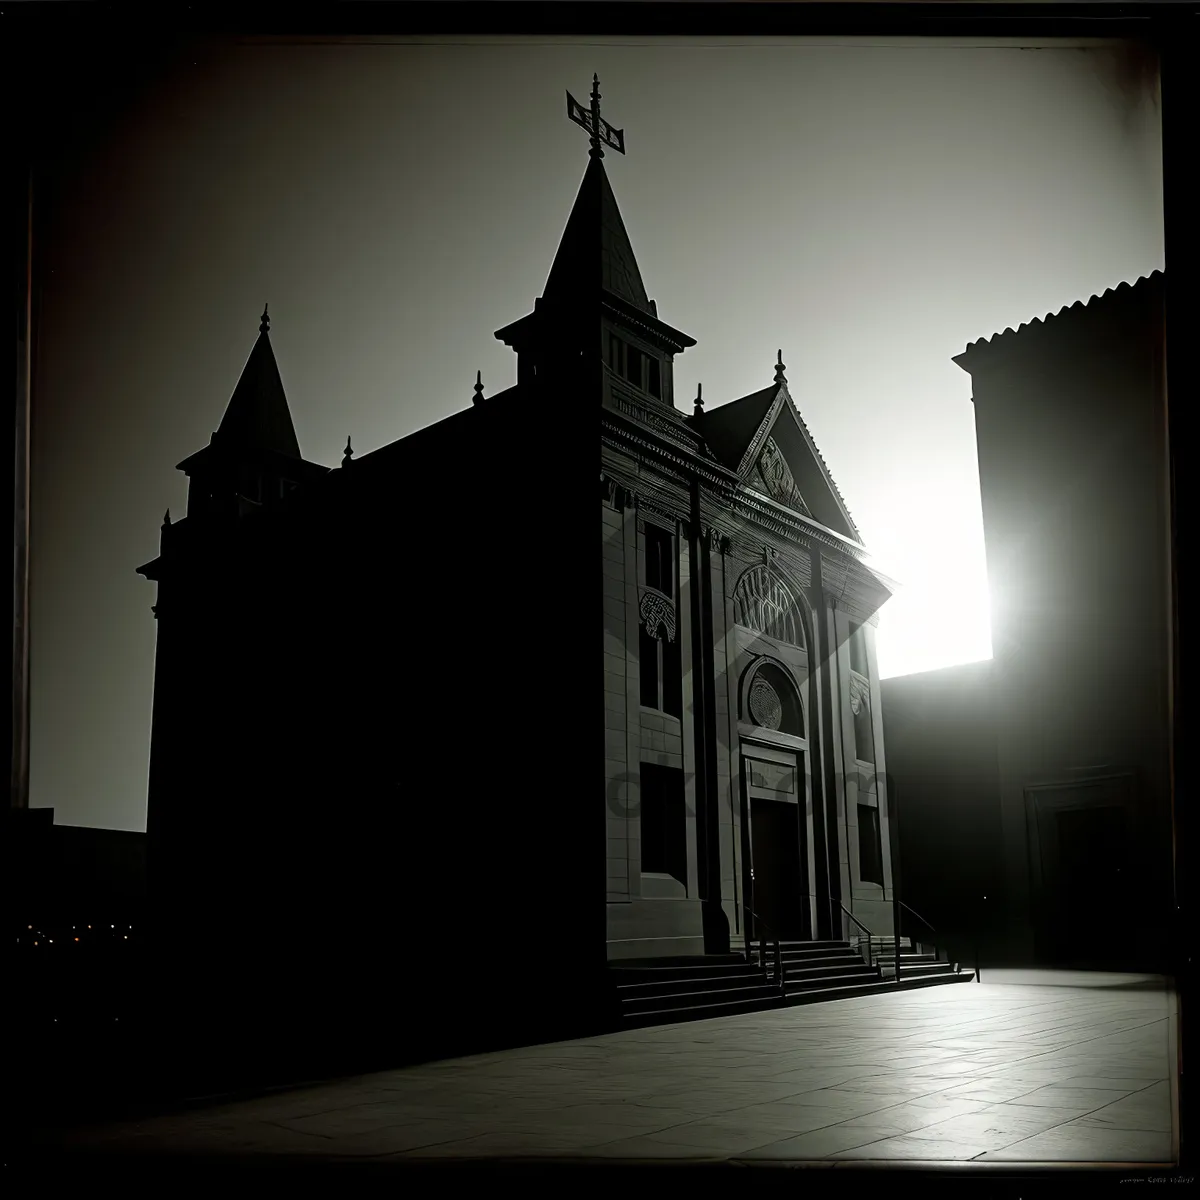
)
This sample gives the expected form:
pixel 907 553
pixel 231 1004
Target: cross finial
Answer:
pixel 595 151
pixel 600 132
pixel 780 368
pixel 347 454
pixel 478 387
pixel 265 323
pixel 699 401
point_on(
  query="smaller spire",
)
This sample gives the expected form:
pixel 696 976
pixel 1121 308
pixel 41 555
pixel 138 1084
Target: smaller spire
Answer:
pixel 167 518
pixel 699 401
pixel 478 387
pixel 347 454
pixel 780 368
pixel 265 324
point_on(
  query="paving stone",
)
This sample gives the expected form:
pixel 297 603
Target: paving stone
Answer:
pixel 1041 1067
pixel 1080 1144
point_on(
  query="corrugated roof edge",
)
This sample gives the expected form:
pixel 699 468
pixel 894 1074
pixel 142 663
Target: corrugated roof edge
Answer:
pixel 1120 290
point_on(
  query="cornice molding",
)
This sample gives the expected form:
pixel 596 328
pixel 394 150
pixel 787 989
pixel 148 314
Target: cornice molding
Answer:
pixel 655 329
pixel 743 504
pixel 663 419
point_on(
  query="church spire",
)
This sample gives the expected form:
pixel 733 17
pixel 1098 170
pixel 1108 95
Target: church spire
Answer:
pixel 594 281
pixel 258 417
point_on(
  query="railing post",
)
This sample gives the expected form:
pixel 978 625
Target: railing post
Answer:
pixel 896 929
pixel 978 921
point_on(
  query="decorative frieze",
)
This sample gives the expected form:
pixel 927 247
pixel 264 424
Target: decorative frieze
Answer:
pixel 860 693
pixel 775 477
pixel 645 415
pixel 657 611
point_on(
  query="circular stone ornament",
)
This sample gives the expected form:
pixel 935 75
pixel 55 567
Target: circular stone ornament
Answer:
pixel 765 705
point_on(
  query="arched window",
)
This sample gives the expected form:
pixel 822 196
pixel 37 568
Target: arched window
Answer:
pixel 762 601
pixel 772 701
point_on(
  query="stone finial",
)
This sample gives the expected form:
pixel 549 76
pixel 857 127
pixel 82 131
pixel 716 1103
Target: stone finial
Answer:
pixel 347 454
pixel 780 368
pixel 478 387
pixel 265 323
pixel 699 411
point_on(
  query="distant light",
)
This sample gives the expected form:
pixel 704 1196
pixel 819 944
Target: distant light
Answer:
pixel 77 939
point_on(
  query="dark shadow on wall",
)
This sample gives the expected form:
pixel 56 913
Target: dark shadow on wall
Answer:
pixel 939 730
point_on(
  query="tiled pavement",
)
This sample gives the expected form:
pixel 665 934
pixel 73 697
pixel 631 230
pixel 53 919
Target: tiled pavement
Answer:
pixel 1025 1068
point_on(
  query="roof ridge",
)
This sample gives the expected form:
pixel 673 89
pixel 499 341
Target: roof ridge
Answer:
pixel 1123 286
pixel 820 458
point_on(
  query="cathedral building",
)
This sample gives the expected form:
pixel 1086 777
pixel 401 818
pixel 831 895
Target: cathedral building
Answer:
pixel 370 778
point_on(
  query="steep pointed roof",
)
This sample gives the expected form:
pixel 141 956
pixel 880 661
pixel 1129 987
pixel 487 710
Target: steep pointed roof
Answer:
pixel 258 417
pixel 730 429
pixel 595 251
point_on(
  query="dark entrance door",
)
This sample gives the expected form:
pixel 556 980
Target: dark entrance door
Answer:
pixel 1088 892
pixel 778 879
pixel 1085 865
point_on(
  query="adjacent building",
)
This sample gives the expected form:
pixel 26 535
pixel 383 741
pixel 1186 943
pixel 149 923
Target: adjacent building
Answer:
pixel 1070 416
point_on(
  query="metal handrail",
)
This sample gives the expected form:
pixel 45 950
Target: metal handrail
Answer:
pixel 768 932
pixel 924 922
pixel 932 930
pixel 861 926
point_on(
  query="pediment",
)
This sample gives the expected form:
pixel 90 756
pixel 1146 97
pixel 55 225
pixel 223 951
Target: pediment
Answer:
pixel 783 462
pixel 772 475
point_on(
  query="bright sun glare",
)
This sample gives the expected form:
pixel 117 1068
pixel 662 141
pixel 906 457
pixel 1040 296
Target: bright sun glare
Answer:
pixel 939 617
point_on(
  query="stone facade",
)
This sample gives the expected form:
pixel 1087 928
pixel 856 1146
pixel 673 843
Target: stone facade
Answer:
pixel 773 611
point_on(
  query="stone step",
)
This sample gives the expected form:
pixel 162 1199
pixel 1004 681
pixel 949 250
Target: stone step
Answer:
pixel 932 968
pixel 799 945
pixel 814 995
pixel 704 982
pixel 827 970
pixel 668 1002
pixel 629 976
pixel 817 983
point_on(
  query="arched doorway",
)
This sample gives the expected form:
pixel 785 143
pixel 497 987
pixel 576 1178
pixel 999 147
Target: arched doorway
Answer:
pixel 776 703
pixel 776 800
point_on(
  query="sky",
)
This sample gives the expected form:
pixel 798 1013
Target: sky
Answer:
pixel 869 208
